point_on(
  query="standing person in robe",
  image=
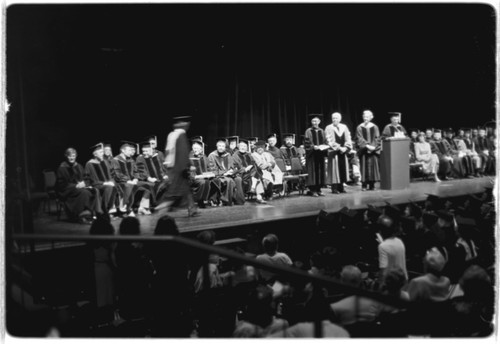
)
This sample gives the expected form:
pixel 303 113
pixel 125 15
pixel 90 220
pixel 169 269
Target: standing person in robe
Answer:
pixel 101 178
pixel 178 168
pixel 206 189
pixel 471 151
pixel 368 140
pixel 151 169
pixel 314 140
pixel 231 184
pixel 127 176
pixel 424 155
pixel 251 177
pixel 80 199
pixel 447 163
pixel 271 174
pixel 338 138
pixel 485 150
pixel 394 128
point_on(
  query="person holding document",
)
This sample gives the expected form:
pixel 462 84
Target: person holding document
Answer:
pixel 315 145
pixel 339 141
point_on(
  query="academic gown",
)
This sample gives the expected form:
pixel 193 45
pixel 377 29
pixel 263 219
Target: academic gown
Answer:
pixel 125 169
pixel 338 164
pixel 443 149
pixel 98 173
pixel 203 189
pixel 391 130
pixel 315 159
pixel 153 167
pixel 75 199
pixel 369 164
pixel 240 162
pixel 484 150
pixel 231 186
pixel 289 153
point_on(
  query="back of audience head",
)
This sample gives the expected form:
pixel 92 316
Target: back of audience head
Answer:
pixel 130 226
pixel 387 226
pixel 270 243
pixel 434 261
pixel 206 237
pixel 317 307
pixel 260 307
pixel 101 226
pixel 166 225
pixel 394 280
pixel 476 283
pixel 351 275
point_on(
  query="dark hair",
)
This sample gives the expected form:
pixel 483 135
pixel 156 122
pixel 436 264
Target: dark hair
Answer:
pixel 476 283
pixel 101 226
pixel 260 307
pixel 206 237
pixel 69 151
pixel 166 225
pixel 394 280
pixel 130 226
pixel 270 243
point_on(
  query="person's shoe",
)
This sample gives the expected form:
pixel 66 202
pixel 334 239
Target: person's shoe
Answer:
pixel 363 189
pixel 112 211
pixel 131 214
pixel 320 193
pixel 335 191
pixel 261 201
pixel 144 211
pixel 84 220
pixel 192 212
pixel 312 194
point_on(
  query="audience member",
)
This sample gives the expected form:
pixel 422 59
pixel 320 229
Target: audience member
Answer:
pixel 272 255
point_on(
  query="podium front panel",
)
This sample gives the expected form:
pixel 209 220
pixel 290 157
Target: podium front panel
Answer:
pixel 394 164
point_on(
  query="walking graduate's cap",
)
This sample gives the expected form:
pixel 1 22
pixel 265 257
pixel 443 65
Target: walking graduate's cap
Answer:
pixel 180 118
pixel 98 146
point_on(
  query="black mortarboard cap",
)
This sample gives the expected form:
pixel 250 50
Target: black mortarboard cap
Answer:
pixel 100 145
pixel 444 214
pixel 233 138
pixel 221 139
pixel 178 119
pixel 314 115
pixel 144 144
pixel 260 143
pixel 449 130
pixel 197 138
pixel 287 135
pixel 106 144
pixel 465 222
pixel 437 130
pixel 127 144
pixel 414 130
pixel 429 219
pixel 244 141
pixel 271 135
pixel 392 211
pixel 467 130
pixel 393 114
pixel 252 139
pixel 415 210
pixel 151 137
pixel 374 212
pixel 435 200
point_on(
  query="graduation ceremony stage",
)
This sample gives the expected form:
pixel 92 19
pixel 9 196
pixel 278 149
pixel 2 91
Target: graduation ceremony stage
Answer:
pixel 288 211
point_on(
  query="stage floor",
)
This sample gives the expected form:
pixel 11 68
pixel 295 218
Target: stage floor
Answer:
pixel 292 206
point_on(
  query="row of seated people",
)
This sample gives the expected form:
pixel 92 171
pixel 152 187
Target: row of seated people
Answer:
pixel 447 154
pixel 166 285
pixel 454 238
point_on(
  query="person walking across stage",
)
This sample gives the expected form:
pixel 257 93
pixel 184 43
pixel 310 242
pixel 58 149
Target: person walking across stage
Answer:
pixel 338 138
pixel 368 141
pixel 314 144
pixel 178 168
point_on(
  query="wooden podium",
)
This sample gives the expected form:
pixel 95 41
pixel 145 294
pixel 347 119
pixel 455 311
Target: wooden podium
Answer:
pixel 394 164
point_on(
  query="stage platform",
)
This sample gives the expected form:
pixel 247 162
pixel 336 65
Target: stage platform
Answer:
pixel 288 208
